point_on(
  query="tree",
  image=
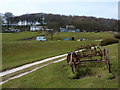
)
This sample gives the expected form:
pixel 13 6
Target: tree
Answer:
pixel 51 32
pixel 7 16
pixel 0 24
pixel 56 21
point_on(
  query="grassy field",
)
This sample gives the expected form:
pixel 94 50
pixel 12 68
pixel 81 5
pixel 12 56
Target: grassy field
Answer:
pixel 16 52
pixel 58 75
pixel 11 37
pixel 88 35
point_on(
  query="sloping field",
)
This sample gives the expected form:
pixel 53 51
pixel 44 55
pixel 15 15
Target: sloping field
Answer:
pixel 59 75
pixel 87 35
pixel 11 37
pixel 16 53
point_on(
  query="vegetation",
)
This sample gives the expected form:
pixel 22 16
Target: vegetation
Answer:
pixel 117 35
pixel 108 41
pixel 17 52
pixel 29 69
pixel 58 76
pixel 11 37
pixel 56 21
pixel 22 28
pixel 88 35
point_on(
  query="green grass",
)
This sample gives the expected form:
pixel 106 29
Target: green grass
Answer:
pixel 28 69
pixel 11 37
pixel 16 53
pixel 89 35
pixel 57 76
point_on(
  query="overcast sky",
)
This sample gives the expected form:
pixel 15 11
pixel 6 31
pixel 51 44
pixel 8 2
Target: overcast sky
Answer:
pixel 96 8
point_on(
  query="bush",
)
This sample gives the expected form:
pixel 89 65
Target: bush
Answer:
pixel 110 76
pixel 108 41
pixel 117 36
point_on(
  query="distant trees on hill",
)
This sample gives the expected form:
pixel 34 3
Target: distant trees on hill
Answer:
pixel 82 22
pixel 56 21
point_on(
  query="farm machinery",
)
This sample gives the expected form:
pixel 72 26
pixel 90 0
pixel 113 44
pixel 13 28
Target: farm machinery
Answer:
pixel 78 57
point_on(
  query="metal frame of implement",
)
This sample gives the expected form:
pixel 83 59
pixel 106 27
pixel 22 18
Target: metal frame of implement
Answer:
pixel 88 51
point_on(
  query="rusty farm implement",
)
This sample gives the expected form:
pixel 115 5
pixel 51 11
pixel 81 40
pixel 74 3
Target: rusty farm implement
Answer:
pixel 78 57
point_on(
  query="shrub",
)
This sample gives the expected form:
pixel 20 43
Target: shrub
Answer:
pixel 117 36
pixel 108 41
pixel 110 76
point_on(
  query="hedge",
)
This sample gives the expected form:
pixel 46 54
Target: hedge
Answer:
pixel 108 41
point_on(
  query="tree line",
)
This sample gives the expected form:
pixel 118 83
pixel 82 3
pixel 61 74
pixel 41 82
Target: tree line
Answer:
pixel 56 21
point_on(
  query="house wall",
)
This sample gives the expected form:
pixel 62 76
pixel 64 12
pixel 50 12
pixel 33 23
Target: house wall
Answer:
pixel 67 30
pixel 77 30
pixel 63 30
pixel 35 28
pixel 71 30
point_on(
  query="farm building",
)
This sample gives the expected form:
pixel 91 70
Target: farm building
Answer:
pixel 37 28
pixel 69 28
pixel 12 30
pixel 63 29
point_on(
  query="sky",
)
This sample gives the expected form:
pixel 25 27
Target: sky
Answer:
pixel 96 8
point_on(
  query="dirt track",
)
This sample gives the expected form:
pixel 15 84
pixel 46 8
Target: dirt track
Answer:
pixel 27 66
pixel 31 38
pixel 30 65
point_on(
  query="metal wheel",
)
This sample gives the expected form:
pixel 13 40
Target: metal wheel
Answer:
pixel 107 60
pixel 109 66
pixel 73 66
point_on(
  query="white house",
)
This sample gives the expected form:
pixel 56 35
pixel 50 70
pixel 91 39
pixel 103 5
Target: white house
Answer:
pixel 37 28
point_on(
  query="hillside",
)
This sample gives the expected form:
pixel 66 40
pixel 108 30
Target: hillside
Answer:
pixel 58 76
pixel 56 21
pixel 16 52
